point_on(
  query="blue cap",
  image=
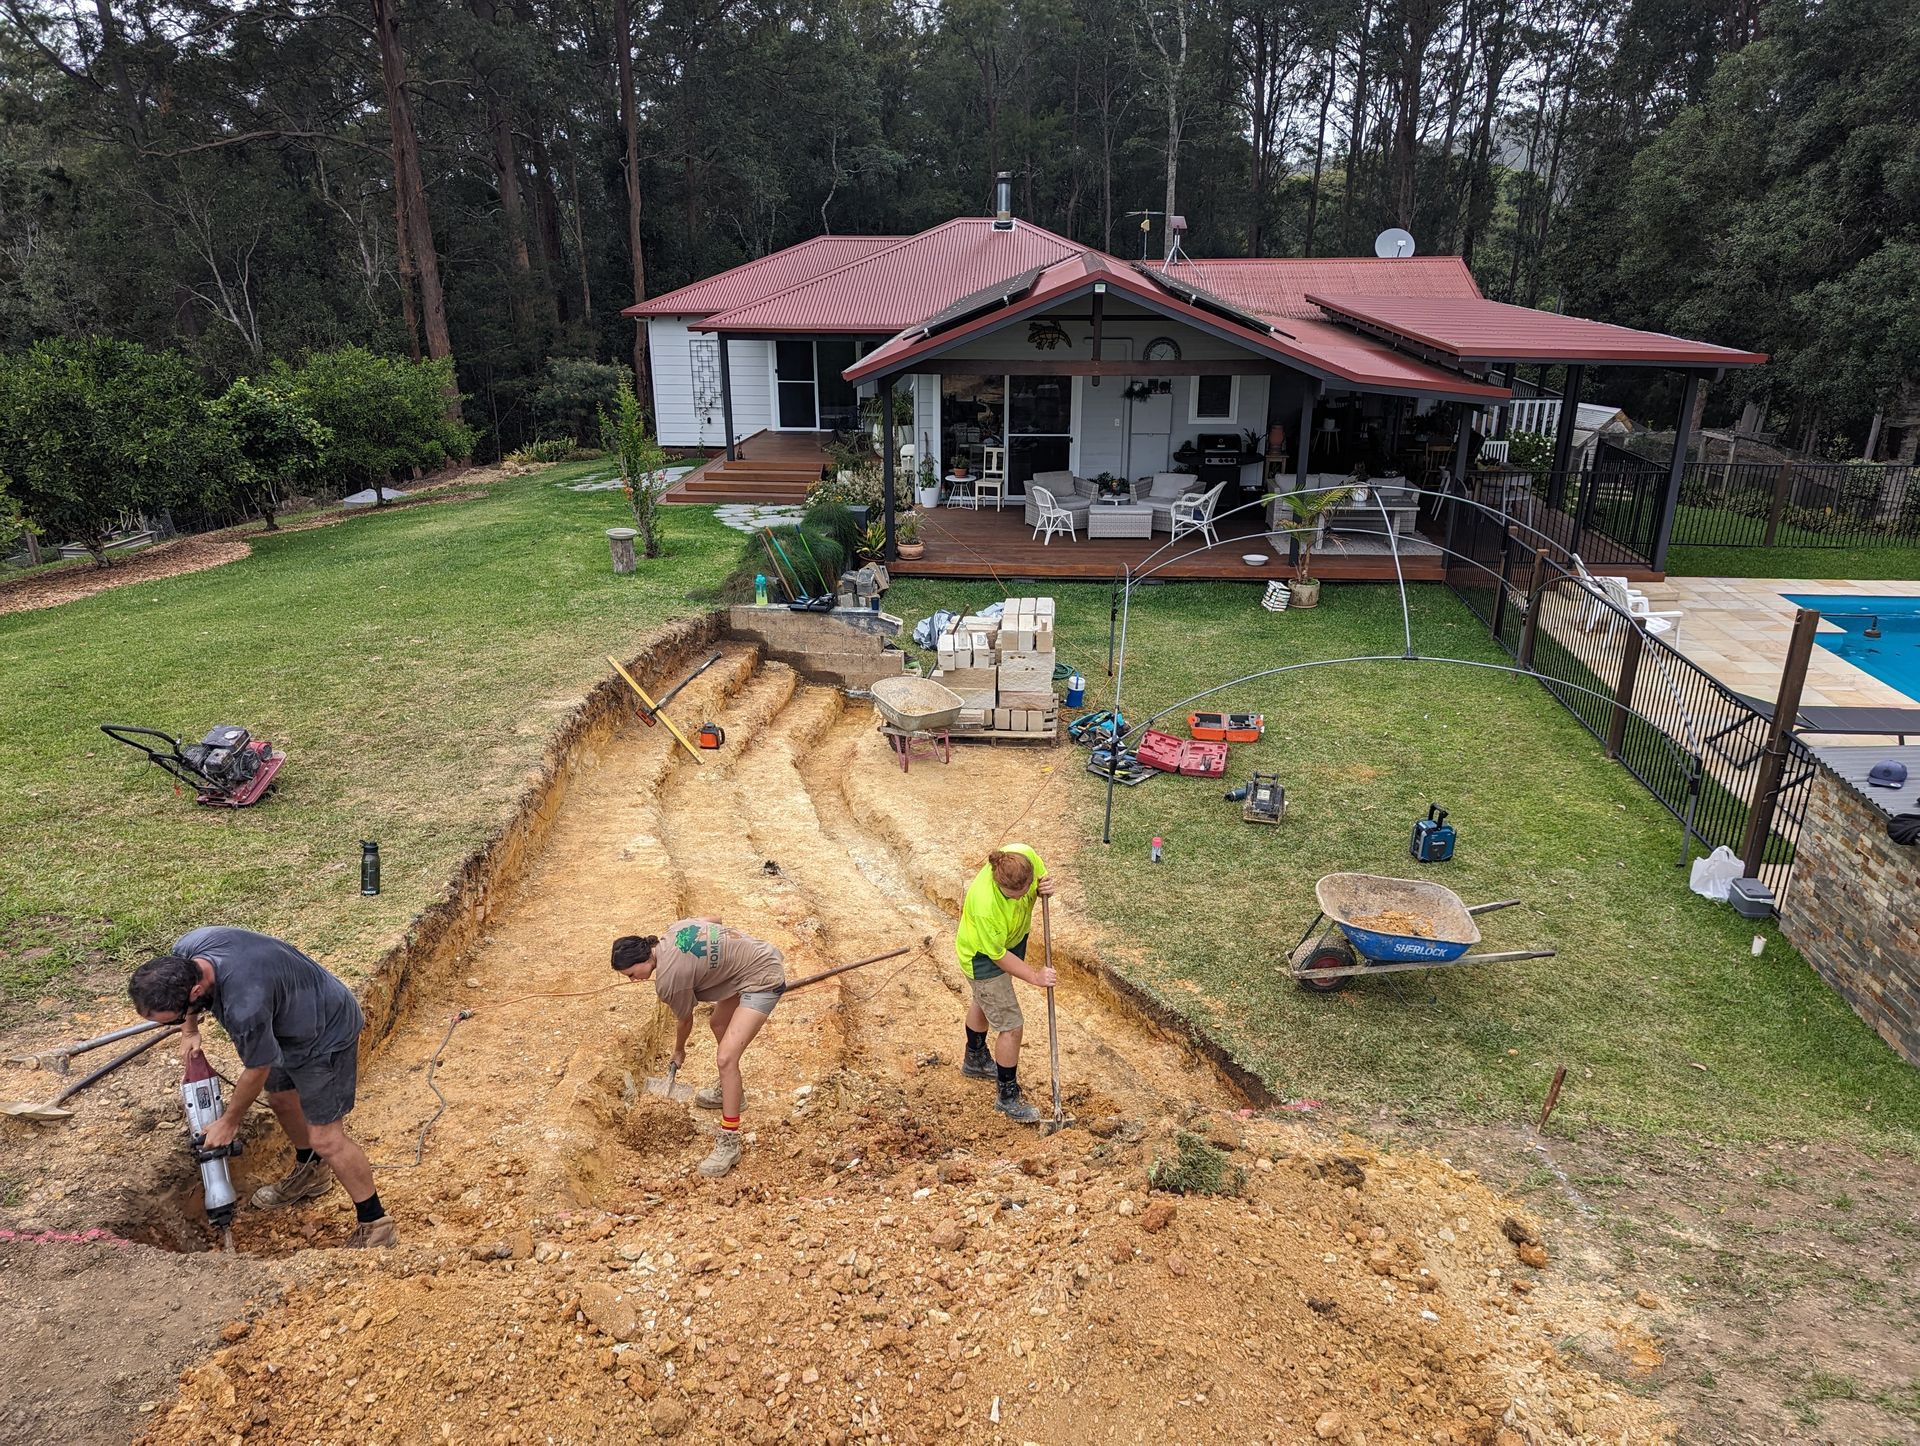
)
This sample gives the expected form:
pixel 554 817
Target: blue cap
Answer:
pixel 1888 773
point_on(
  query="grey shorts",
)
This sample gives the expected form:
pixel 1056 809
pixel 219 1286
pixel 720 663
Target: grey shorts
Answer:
pixel 760 1001
pixel 998 1002
pixel 325 1084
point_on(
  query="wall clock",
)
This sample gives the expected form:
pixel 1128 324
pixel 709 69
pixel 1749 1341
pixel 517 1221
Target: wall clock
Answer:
pixel 1162 349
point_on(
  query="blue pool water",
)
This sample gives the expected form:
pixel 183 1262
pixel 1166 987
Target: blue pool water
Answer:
pixel 1894 656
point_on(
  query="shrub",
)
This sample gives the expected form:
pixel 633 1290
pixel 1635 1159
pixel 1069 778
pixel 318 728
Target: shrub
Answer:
pixel 863 486
pixel 787 557
pixel 94 431
pixel 537 454
pixel 572 395
pixel 643 465
pixel 385 414
pixel 1530 452
pixel 277 443
pixel 1196 1168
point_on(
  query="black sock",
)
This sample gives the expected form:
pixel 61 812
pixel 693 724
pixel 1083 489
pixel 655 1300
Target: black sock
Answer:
pixel 1009 1075
pixel 368 1210
pixel 305 1157
pixel 976 1041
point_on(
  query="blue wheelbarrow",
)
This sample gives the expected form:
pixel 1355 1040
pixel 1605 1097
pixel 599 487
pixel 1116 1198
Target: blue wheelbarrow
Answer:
pixel 1375 925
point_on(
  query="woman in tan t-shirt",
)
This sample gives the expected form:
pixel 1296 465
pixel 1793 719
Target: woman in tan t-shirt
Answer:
pixel 700 961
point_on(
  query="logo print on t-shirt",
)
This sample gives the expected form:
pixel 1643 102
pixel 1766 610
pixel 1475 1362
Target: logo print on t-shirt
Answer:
pixel 688 941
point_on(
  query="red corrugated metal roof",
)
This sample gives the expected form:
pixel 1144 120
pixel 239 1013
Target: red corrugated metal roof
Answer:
pixel 1278 287
pixel 752 280
pixel 901 284
pixel 1318 346
pixel 1487 331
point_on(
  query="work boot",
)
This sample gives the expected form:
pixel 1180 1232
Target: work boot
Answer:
pixel 307 1181
pixel 708 1098
pixel 375 1235
pixel 726 1154
pixel 977 1063
pixel 1014 1107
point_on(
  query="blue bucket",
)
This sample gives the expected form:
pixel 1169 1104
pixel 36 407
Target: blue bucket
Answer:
pixel 1076 691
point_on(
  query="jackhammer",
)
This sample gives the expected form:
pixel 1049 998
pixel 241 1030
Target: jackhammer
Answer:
pixel 200 1093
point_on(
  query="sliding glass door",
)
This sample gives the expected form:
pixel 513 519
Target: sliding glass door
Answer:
pixel 1031 416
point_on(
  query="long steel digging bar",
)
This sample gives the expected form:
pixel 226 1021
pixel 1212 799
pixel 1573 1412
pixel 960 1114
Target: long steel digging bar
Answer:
pixel 57 1060
pixel 52 1110
pixel 648 715
pixel 1059 1120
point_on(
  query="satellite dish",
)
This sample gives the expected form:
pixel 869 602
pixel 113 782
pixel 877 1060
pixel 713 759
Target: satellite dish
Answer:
pixel 1393 242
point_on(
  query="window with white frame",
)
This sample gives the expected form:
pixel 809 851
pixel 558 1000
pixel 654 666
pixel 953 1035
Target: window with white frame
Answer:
pixel 1214 399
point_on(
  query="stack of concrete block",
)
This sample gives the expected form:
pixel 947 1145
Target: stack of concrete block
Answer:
pixel 1026 655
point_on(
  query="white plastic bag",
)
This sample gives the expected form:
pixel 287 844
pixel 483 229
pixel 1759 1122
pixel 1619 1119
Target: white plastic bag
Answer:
pixel 1713 876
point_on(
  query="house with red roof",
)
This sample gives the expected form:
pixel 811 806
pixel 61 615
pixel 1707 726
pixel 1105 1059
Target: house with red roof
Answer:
pixel 1005 352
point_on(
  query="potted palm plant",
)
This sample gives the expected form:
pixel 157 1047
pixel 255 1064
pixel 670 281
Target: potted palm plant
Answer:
pixel 1309 511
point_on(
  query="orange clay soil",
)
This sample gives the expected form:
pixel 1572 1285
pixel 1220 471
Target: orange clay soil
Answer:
pixel 892 1261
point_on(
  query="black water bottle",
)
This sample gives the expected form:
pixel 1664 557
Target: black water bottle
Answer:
pixel 369 867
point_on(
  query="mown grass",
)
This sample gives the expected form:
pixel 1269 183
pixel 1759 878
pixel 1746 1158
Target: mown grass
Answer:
pixel 412 664
pixel 1857 563
pixel 1664 1020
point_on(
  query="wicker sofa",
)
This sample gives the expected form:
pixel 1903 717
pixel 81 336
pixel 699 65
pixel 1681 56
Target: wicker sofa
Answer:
pixel 1073 494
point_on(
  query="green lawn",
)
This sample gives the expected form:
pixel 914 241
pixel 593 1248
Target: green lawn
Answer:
pixel 1859 563
pixel 413 665
pixel 1650 981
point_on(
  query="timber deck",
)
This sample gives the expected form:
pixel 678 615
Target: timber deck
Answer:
pixel 989 544
pixel 775 468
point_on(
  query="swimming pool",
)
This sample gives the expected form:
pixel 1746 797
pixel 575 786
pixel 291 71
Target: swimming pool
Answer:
pixel 1894 656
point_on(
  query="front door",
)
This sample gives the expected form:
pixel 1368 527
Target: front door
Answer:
pixel 797 406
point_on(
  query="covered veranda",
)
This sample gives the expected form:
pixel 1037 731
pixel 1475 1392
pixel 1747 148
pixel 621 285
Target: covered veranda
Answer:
pixel 1407 389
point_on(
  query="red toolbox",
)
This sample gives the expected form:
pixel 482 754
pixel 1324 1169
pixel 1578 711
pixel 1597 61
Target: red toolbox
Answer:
pixel 1226 727
pixel 1180 755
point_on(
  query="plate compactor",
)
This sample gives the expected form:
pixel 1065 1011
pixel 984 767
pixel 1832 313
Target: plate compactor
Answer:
pixel 229 768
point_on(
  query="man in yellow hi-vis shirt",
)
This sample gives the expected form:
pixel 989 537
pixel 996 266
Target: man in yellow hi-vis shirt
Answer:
pixel 992 948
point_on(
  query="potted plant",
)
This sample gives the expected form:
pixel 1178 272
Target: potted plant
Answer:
pixel 1310 510
pixel 873 540
pixel 927 490
pixel 960 466
pixel 906 536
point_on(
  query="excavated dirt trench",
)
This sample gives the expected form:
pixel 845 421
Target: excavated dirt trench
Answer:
pixel 892 1260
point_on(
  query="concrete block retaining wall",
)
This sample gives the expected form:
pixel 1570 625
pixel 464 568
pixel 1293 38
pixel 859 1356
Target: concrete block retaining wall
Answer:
pixel 845 647
pixel 1854 911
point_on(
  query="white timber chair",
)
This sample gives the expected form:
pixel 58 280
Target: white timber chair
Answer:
pixel 1053 518
pixel 993 478
pixel 1194 513
pixel 1494 452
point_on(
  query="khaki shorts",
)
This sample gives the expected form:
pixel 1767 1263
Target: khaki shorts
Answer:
pixel 998 1002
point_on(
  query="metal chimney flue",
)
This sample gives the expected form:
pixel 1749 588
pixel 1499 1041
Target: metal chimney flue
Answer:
pixel 1003 201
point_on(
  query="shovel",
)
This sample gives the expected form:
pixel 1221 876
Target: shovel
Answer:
pixel 665 1087
pixel 52 1110
pixel 1060 1119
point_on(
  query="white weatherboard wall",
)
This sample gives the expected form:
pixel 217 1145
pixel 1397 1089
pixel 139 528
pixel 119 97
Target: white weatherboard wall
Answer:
pixel 684 423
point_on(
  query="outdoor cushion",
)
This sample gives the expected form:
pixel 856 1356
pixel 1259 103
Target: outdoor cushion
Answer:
pixel 1170 486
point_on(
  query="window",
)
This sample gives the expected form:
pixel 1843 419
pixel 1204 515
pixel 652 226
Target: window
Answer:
pixel 1215 399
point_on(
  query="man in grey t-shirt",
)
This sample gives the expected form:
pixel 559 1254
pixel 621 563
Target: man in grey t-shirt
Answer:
pixel 296 1029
